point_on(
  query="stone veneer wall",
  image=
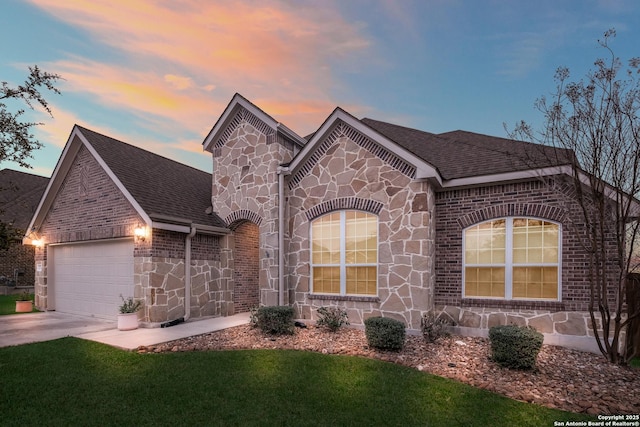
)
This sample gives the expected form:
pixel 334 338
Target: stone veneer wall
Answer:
pixel 348 175
pixel 566 328
pixel 245 187
pixel 564 321
pixel 159 276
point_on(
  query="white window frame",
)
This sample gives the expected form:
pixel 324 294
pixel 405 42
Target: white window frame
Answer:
pixel 508 260
pixel 343 263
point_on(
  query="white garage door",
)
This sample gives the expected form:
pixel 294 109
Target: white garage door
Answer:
pixel 88 278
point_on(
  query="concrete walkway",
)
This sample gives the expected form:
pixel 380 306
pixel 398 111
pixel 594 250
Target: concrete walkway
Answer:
pixel 35 327
pixel 130 340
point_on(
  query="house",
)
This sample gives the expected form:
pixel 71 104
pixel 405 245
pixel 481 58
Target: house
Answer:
pixel 377 218
pixel 20 193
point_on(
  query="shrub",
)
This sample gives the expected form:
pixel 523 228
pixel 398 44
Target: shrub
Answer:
pixel 332 318
pixel 515 347
pixel 384 333
pixel 275 320
pixel 433 327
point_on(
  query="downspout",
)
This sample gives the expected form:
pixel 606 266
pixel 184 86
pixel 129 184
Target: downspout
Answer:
pixel 187 273
pixel 281 171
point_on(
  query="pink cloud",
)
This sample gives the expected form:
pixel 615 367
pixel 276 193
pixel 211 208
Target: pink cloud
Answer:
pixel 266 50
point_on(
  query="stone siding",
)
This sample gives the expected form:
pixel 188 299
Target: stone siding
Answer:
pixel 349 176
pixel 570 329
pixel 245 187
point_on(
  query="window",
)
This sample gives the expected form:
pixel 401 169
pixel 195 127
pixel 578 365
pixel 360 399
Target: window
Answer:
pixel 344 253
pixel 512 258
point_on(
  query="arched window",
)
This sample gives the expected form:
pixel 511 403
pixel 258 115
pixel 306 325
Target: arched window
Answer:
pixel 344 253
pixel 512 258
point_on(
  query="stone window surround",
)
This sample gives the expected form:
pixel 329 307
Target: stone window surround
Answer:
pixel 553 304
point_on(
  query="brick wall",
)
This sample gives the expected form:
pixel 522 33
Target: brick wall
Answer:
pixel 246 255
pixel 89 206
pixel 18 257
pixel 458 209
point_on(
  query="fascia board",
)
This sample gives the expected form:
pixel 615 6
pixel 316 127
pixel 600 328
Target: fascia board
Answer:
pixel 508 176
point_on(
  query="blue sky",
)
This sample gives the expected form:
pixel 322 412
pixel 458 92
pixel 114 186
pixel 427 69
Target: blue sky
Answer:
pixel 158 74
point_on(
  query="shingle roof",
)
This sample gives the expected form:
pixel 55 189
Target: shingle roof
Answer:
pixel 160 186
pixel 461 154
pixel 20 194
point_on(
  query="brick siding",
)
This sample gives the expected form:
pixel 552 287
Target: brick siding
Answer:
pixel 246 255
pixel 458 209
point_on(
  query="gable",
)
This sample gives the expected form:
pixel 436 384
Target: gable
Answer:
pixel 340 123
pixel 88 205
pixel 240 111
pixel 340 133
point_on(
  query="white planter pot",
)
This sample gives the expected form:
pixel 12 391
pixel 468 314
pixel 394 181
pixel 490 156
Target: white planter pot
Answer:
pixel 127 321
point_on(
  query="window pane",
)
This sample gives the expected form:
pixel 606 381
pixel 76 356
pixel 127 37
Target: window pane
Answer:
pixel 361 280
pixel 326 239
pixel 485 243
pixel 535 282
pixel 326 280
pixel 484 282
pixel 361 242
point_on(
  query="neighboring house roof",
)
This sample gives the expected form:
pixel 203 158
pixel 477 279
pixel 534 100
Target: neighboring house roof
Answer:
pixel 162 191
pixel 461 154
pixel 20 193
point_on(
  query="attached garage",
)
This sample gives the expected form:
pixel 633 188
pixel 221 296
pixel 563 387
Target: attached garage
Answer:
pixel 88 278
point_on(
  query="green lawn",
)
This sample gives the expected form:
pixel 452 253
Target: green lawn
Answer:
pixel 75 382
pixel 8 304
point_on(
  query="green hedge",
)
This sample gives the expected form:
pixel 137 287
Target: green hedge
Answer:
pixel 384 333
pixel 515 347
pixel 275 320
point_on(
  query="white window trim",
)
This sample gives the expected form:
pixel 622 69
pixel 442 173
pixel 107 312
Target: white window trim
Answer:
pixel 343 261
pixel 508 261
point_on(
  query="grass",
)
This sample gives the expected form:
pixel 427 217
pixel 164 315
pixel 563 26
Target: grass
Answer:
pixel 86 383
pixel 8 304
pixel 635 362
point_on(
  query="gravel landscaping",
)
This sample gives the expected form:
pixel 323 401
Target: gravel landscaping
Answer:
pixel 564 379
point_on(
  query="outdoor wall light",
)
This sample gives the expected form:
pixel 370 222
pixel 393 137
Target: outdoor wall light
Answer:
pixel 37 243
pixel 140 233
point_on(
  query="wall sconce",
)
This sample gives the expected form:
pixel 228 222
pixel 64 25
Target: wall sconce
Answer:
pixel 140 233
pixel 36 240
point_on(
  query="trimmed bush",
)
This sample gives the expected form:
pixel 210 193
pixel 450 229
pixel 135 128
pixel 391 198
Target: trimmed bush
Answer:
pixel 384 333
pixel 275 320
pixel 515 347
pixel 433 327
pixel 332 318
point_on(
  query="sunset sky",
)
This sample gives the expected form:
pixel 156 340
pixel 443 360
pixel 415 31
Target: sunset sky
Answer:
pixel 157 74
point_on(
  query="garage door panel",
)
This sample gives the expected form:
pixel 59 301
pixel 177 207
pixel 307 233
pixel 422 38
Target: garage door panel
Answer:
pixel 88 278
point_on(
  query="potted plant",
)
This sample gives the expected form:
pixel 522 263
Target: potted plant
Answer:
pixel 24 303
pixel 128 317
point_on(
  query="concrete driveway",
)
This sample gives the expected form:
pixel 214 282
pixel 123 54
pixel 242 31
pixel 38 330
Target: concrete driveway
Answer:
pixel 34 327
